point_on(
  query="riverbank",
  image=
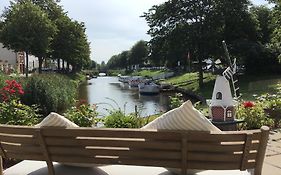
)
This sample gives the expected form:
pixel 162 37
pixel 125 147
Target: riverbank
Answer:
pixel 250 86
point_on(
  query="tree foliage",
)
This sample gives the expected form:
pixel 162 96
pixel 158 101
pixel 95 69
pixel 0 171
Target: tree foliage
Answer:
pixel 42 28
pixel 27 28
pixel 70 43
pixel 138 53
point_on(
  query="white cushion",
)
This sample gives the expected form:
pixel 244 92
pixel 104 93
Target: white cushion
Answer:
pixel 185 117
pixel 54 119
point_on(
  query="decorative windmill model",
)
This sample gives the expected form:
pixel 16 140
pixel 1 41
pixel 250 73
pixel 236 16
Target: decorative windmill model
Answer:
pixel 222 106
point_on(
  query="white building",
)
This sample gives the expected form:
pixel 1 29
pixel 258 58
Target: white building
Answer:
pixel 15 61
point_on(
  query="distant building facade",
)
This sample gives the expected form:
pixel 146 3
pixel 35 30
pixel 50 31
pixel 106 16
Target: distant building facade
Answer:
pixel 11 61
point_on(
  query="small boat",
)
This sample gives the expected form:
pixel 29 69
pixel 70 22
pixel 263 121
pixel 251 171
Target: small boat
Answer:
pixel 148 88
pixel 135 81
pixel 124 79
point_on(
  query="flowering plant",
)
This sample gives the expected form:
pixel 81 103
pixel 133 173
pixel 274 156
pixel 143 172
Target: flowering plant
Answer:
pixel 12 90
pixel 253 114
pixel 12 111
pixel 248 104
pixel 83 114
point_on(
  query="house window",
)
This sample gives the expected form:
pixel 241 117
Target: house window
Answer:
pixel 219 96
pixel 229 114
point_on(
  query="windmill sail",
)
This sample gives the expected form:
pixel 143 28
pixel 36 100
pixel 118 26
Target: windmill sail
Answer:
pixel 230 72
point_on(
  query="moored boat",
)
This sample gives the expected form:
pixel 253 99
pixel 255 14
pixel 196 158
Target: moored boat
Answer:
pixel 148 88
pixel 135 81
pixel 124 79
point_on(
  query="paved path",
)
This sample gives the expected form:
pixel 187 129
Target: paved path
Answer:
pixel 272 162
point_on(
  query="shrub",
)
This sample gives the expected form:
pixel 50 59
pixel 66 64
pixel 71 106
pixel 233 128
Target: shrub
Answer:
pixel 175 101
pixel 117 119
pixel 15 113
pixel 52 92
pixel 272 106
pixel 11 110
pixel 84 115
pixel 253 114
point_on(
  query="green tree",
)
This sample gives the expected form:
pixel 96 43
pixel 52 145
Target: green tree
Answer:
pixel 178 27
pixel 138 53
pixel 27 28
pixel 276 26
pixel 263 17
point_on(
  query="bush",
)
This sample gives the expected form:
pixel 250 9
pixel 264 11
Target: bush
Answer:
pixel 11 110
pixel 117 119
pixel 52 92
pixel 176 101
pixel 253 114
pixel 84 115
pixel 15 113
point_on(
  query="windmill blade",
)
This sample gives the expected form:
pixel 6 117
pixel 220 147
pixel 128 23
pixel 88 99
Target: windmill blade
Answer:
pixel 227 73
pixel 218 61
pixel 226 53
pixel 234 66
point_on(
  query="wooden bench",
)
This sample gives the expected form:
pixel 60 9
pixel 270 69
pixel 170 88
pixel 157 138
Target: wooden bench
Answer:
pixel 171 149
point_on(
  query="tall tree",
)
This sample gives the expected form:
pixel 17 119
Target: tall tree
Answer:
pixel 263 17
pixel 138 53
pixel 27 28
pixel 276 26
pixel 178 27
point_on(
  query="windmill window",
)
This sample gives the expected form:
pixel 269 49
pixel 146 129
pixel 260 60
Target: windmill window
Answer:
pixel 219 96
pixel 229 114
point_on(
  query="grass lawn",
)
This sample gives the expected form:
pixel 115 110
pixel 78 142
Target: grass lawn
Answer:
pixel 189 81
pixel 148 73
pixel 249 85
pixel 257 85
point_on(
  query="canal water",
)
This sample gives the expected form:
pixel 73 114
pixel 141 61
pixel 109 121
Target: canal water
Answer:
pixel 109 94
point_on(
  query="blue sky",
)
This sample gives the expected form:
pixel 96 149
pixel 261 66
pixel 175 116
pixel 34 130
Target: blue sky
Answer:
pixel 112 25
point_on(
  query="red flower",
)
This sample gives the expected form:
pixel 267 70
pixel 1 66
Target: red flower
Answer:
pixel 248 104
pixel 12 91
pixel 21 92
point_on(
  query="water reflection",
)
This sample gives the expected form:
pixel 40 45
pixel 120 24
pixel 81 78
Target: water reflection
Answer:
pixel 110 94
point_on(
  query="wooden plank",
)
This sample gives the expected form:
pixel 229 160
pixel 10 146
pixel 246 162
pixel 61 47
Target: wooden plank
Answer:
pixel 117 160
pixel 214 147
pixel 250 165
pixel 184 155
pixel 21 156
pixel 12 129
pixel 216 137
pixel 3 153
pixel 90 152
pixel 261 150
pixel 113 133
pixel 213 157
pixel 246 151
pixel 45 151
pixel 162 145
pixel 205 165
pixel 23 139
pixel 254 146
pixel 22 148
